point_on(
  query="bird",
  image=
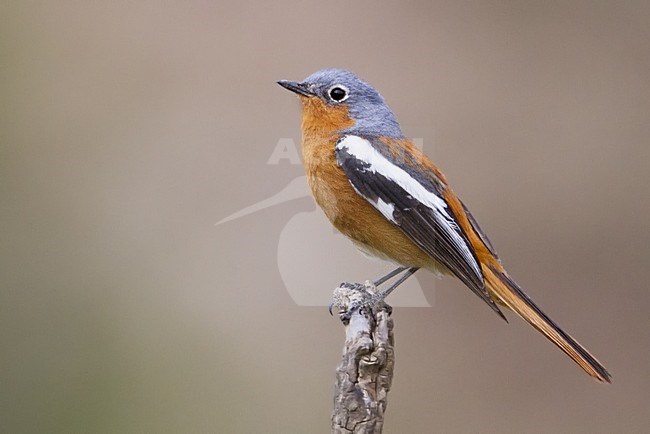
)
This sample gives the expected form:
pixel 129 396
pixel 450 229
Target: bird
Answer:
pixel 380 190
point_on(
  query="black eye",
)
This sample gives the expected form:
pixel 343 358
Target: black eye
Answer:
pixel 338 93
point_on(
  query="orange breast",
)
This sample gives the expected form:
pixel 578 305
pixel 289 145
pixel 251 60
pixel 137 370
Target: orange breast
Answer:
pixel 350 213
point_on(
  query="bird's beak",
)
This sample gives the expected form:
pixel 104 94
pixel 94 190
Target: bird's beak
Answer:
pixel 299 88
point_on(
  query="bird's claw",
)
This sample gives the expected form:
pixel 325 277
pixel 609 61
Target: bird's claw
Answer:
pixel 351 297
pixel 363 308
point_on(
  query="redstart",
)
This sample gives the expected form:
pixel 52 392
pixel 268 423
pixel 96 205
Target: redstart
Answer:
pixel 382 192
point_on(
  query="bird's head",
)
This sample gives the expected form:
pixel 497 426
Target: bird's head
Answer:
pixel 338 100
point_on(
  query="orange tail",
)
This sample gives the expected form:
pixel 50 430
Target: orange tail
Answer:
pixel 508 292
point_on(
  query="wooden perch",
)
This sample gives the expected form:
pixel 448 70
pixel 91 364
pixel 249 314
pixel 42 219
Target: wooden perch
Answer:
pixel 365 373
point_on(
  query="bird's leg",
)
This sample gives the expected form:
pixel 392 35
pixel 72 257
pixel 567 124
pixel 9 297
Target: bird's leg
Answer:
pixel 390 275
pixel 366 297
pixel 381 296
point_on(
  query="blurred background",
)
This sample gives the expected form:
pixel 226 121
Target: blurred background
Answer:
pixel 127 129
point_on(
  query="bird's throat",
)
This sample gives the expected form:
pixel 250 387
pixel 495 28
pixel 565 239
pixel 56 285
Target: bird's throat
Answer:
pixel 321 121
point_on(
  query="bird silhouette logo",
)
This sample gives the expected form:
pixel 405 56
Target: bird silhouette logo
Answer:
pixel 310 251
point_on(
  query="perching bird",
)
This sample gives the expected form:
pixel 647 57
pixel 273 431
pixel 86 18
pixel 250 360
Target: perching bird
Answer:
pixel 381 191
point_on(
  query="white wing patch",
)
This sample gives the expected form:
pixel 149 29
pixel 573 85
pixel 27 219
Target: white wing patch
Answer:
pixel 386 209
pixel 363 151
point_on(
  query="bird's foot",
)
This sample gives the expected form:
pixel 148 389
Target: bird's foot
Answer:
pixel 362 297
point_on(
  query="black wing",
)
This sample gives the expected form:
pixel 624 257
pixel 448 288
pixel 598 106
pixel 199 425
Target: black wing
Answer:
pixel 413 202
